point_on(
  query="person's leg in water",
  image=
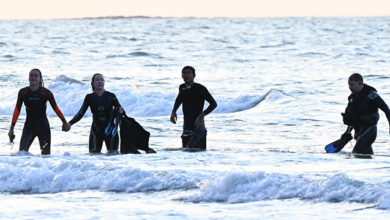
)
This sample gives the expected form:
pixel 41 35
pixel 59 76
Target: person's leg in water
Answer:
pixel 112 143
pixel 95 141
pixel 26 140
pixel 185 137
pixel 195 138
pixel 44 137
pixel 188 127
pixel 364 141
pixel 201 134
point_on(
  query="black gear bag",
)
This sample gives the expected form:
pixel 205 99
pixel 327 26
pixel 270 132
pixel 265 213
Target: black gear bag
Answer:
pixel 133 136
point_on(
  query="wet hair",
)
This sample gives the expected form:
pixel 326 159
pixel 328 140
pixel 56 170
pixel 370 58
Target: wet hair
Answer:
pixel 40 75
pixel 356 77
pixel 93 78
pixel 189 68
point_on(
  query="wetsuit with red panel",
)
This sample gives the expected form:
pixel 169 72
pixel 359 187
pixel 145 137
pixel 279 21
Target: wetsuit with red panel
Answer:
pixel 36 124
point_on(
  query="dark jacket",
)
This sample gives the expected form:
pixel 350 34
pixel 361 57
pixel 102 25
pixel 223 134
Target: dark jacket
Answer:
pixel 362 109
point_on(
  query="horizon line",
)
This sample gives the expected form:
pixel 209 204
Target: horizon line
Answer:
pixel 193 17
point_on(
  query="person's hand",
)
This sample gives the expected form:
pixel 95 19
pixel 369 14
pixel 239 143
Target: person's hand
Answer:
pixel 120 110
pixel 66 126
pixel 173 117
pixel 11 132
pixel 199 120
pixel 346 137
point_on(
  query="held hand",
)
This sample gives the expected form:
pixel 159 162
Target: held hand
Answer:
pixel 199 120
pixel 65 126
pixel 173 117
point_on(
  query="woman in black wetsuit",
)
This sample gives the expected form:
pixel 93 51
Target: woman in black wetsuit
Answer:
pixel 35 98
pixel 101 103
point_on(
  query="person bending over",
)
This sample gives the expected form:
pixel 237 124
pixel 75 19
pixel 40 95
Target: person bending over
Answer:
pixel 362 113
pixel 35 97
pixel 192 95
pixel 101 103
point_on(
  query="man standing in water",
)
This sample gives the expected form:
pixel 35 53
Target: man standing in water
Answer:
pixel 192 95
pixel 362 113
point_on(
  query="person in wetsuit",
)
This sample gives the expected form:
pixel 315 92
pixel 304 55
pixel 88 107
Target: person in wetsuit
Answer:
pixel 35 98
pixel 362 113
pixel 192 95
pixel 101 103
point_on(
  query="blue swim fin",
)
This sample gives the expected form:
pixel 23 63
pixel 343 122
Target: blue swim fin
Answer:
pixel 338 145
pixel 112 127
pixel 108 128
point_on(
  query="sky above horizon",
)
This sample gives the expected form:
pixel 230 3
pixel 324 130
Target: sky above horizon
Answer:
pixel 51 9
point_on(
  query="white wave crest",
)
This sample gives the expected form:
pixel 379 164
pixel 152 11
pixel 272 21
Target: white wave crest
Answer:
pixel 41 176
pixel 242 187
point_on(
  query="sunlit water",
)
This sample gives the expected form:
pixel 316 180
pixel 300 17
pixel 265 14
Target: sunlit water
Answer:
pixel 280 85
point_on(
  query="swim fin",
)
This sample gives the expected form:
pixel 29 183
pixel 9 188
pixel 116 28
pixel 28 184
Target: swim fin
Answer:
pixel 338 145
pixel 112 127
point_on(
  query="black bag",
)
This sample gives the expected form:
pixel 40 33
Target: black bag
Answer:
pixel 133 137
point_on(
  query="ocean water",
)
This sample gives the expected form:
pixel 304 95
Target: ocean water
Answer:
pixel 280 85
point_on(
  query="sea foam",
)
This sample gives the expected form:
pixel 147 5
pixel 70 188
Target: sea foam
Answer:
pixel 243 187
pixel 37 175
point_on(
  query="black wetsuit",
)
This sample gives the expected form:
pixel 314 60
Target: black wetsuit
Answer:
pixel 193 99
pixel 36 121
pixel 100 108
pixel 362 114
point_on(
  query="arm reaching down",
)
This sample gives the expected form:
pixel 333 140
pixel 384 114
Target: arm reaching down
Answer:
pixel 50 97
pixel 55 107
pixel 212 105
pixel 210 100
pixel 17 110
pixel 175 107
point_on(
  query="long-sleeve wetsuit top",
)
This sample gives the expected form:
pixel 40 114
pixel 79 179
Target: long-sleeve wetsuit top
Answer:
pixel 193 100
pixel 366 104
pixel 35 102
pixel 100 108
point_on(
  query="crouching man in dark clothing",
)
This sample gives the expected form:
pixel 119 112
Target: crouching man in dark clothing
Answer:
pixel 362 113
pixel 192 95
